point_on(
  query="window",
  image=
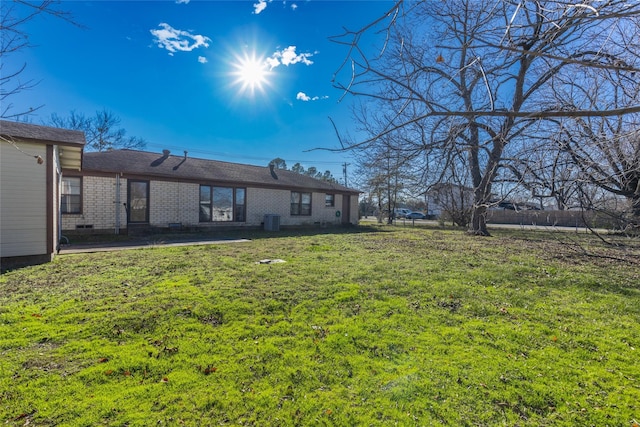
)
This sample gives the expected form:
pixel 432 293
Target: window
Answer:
pixel 71 195
pixel 239 205
pixel 222 204
pixel 205 203
pixel 329 200
pixel 300 203
pixel 222 209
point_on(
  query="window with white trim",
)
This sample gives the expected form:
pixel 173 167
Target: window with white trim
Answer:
pixel 329 200
pixel 71 195
pixel 300 203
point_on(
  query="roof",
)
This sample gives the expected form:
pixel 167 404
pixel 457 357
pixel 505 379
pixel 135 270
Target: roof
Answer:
pixel 184 168
pixel 72 140
pixel 41 133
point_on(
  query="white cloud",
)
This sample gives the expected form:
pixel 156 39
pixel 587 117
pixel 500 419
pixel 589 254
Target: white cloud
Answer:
pixel 288 56
pixel 202 60
pixel 272 62
pixel 183 1
pixel 294 6
pixel 175 40
pixel 301 96
pixel 259 7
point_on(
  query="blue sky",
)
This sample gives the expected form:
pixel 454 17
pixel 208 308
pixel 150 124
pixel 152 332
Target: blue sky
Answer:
pixel 181 74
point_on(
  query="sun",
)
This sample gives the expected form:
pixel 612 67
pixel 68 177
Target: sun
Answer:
pixel 251 73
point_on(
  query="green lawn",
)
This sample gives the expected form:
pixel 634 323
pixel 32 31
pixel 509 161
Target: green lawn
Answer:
pixel 377 326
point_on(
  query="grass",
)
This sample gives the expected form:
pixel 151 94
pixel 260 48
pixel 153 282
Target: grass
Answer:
pixel 378 326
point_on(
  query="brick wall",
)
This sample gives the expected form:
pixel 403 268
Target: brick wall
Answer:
pixel 266 201
pixel 355 210
pixel 263 201
pixel 98 205
pixel 173 202
pixel 177 202
pixel 326 214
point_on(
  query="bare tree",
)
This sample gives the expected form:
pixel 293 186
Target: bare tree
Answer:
pixel 607 152
pixel 102 131
pixel 478 74
pixel 546 172
pixel 383 173
pixel 13 17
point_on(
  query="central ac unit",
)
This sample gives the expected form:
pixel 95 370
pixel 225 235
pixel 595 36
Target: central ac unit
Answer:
pixel 272 222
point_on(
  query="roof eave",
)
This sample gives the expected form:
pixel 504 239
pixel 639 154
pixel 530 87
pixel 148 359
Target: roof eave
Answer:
pixel 71 157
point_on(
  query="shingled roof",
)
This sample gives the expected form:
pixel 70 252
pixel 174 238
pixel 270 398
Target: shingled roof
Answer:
pixel 28 131
pixel 184 168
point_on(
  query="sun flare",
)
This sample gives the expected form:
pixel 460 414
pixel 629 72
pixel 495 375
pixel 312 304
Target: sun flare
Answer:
pixel 251 73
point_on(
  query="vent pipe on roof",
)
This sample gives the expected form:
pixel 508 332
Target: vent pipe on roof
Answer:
pixel 185 154
pixel 166 153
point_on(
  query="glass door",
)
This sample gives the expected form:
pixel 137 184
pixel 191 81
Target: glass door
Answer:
pixel 138 201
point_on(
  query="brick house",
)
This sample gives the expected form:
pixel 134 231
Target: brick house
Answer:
pixel 32 159
pixel 122 190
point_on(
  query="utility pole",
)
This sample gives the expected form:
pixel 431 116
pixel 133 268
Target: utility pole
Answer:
pixel 344 172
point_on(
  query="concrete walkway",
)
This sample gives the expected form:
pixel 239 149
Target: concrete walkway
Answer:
pixel 120 246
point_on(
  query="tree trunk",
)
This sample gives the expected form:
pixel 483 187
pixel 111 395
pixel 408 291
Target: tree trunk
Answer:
pixel 478 225
pixel 635 209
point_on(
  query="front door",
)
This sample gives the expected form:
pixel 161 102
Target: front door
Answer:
pixel 346 209
pixel 137 202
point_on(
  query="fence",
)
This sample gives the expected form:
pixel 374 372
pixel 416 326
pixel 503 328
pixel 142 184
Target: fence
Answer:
pixel 553 218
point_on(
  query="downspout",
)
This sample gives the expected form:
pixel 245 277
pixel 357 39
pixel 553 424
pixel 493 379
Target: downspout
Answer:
pixel 59 201
pixel 117 202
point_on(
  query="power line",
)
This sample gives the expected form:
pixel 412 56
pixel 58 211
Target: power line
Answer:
pixel 240 156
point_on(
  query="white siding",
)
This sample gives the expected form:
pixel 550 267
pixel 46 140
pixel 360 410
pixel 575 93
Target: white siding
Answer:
pixel 23 200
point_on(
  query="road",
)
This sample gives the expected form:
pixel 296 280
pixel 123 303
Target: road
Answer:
pixel 410 222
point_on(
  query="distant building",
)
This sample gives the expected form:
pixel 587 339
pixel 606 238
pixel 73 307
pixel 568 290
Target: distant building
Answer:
pixel 446 198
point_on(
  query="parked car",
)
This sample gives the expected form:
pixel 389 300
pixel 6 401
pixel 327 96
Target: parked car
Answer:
pixel 415 215
pixel 400 212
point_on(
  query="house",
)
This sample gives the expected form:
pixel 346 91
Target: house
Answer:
pixel 447 198
pixel 129 190
pixel 31 162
